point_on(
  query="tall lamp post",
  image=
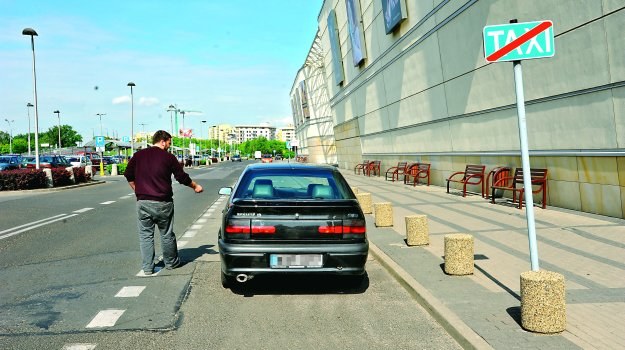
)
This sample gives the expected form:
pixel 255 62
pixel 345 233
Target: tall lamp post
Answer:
pixel 183 133
pixel 132 119
pixel 58 115
pixel 203 122
pixel 171 110
pixel 32 33
pixel 28 105
pixel 100 115
pixel 10 135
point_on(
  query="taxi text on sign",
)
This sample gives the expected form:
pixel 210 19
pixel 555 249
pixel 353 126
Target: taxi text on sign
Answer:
pixel 518 41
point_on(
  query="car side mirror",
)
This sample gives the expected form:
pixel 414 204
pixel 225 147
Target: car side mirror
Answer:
pixel 225 191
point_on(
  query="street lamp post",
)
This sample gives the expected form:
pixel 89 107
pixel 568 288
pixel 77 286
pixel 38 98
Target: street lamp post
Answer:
pixel 171 110
pixel 58 115
pixel 100 115
pixel 132 119
pixel 28 105
pixel 203 122
pixel 183 132
pixel 32 33
pixel 10 135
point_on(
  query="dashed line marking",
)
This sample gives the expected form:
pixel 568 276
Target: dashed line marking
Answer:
pixel 182 244
pixel 124 197
pixel 82 210
pixel 190 234
pixel 105 318
pixel 130 292
pixel 196 227
pixel 62 217
pixel 107 202
pixel 201 221
pixel 79 346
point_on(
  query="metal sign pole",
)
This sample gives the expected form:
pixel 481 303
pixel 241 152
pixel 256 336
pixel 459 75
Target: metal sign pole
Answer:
pixel 525 160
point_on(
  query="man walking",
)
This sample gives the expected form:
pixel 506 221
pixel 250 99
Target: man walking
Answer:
pixel 149 175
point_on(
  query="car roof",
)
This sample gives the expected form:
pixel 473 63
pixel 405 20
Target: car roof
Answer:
pixel 290 166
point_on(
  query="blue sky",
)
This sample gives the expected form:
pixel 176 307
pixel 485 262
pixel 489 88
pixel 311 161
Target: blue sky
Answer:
pixel 233 60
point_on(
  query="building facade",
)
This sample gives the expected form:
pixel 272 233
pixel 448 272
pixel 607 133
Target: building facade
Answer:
pixel 407 81
pixel 249 132
pixel 285 134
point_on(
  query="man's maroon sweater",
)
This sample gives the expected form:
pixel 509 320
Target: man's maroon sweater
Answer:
pixel 151 170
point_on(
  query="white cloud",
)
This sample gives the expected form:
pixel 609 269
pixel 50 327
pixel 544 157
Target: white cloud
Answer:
pixel 121 100
pixel 148 101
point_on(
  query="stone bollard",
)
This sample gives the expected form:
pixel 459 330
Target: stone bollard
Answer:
pixel 417 232
pixel 365 202
pixel 383 213
pixel 355 190
pixel 459 254
pixel 543 302
pixel 48 173
pixel 70 170
pixel 114 170
pixel 89 170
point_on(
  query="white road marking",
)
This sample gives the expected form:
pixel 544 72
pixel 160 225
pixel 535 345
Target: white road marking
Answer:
pixel 82 210
pixel 196 227
pixel 211 210
pixel 30 223
pixel 105 318
pixel 131 194
pixel 79 346
pixel 201 221
pixel 182 244
pixel 130 292
pixel 190 234
pixel 108 202
pixel 124 197
pixel 63 217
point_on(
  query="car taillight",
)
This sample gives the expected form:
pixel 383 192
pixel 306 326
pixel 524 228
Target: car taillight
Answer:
pixel 238 229
pixel 349 229
pixel 263 230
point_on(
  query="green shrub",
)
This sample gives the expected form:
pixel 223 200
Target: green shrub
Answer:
pixel 22 179
pixel 121 168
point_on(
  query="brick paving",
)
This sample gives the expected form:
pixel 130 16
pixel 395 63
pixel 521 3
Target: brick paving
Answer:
pixel 589 250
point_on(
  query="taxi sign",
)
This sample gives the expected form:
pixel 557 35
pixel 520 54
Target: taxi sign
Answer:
pixel 519 41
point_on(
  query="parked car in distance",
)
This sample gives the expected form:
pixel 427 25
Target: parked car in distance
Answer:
pixel 26 160
pixel 278 157
pixel 291 219
pixel 266 158
pixel 236 158
pixel 79 161
pixel 50 161
pixel 10 163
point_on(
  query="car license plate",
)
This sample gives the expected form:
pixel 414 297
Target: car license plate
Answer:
pixel 295 261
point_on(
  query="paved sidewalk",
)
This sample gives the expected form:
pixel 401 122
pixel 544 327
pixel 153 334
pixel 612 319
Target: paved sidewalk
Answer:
pixel 483 310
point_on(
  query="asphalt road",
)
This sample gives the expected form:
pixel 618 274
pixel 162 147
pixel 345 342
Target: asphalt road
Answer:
pixel 69 281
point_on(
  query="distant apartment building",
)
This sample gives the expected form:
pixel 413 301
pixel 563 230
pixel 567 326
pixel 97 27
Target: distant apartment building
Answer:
pixel 286 134
pixel 221 132
pixel 249 132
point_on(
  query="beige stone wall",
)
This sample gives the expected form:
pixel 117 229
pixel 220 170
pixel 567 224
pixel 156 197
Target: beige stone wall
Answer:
pixel 426 93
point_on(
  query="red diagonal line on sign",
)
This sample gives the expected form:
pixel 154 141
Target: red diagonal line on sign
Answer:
pixel 518 41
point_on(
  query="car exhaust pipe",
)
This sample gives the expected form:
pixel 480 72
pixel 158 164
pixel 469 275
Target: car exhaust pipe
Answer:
pixel 242 278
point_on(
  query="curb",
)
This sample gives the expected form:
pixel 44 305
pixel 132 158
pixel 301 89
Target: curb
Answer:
pixel 61 188
pixel 463 334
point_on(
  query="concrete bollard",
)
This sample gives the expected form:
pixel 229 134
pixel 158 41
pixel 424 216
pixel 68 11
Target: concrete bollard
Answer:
pixel 89 170
pixel 459 254
pixel 114 170
pixel 365 202
pixel 355 190
pixel 70 170
pixel 383 213
pixel 48 173
pixel 543 302
pixel 417 232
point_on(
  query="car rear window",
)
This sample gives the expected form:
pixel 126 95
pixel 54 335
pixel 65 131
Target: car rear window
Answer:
pixel 295 185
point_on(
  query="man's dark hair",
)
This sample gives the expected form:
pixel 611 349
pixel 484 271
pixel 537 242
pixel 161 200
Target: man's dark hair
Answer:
pixel 159 136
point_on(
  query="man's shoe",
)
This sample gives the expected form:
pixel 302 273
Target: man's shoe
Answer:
pixel 175 265
pixel 148 273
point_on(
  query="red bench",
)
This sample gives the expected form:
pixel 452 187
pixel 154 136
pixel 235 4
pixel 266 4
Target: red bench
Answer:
pixel 417 171
pixel 374 167
pixel 472 175
pixel 539 179
pixel 362 166
pixel 395 171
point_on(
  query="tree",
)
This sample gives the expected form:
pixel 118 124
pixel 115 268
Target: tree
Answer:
pixel 69 136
